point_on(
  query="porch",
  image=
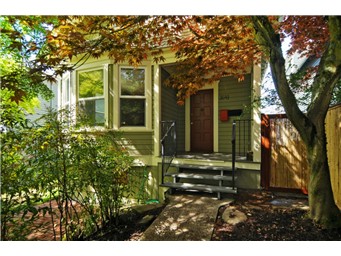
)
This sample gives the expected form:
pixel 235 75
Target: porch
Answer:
pixel 209 172
pixel 212 142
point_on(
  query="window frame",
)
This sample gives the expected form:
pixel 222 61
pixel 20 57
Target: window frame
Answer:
pixel 133 97
pixel 112 94
pixel 147 97
pixel 88 68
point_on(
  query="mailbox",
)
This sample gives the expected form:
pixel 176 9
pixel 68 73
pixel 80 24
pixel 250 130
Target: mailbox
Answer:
pixel 224 115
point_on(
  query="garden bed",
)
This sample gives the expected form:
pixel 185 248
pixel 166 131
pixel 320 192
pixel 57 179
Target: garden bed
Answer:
pixel 270 217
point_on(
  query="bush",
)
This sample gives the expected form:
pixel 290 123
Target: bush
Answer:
pixel 87 174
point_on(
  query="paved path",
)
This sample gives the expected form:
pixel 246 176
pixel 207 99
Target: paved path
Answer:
pixel 185 218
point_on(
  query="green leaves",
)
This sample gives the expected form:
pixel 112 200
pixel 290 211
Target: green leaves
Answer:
pixel 87 175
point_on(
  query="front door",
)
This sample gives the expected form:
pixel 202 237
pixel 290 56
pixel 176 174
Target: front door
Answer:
pixel 202 121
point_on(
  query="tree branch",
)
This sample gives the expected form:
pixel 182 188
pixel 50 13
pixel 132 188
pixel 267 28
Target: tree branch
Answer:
pixel 268 35
pixel 329 73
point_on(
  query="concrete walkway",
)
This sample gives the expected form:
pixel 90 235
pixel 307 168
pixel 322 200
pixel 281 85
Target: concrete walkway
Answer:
pixel 186 217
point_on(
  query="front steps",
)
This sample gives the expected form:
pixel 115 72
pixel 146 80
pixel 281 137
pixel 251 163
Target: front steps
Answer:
pixel 212 179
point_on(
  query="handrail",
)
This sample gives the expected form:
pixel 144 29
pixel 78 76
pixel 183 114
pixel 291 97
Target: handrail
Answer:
pixel 233 153
pixel 164 152
pixel 243 135
pixel 169 129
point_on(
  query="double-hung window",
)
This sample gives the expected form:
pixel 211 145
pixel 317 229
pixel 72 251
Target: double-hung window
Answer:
pixel 91 95
pixel 66 93
pixel 132 96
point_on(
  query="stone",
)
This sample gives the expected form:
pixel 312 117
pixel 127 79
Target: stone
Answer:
pixel 232 216
pixel 147 219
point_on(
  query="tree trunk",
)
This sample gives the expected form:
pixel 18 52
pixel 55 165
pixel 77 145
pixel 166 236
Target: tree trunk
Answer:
pixel 323 209
pixel 310 126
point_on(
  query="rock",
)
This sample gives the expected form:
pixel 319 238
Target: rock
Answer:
pixel 147 207
pixel 147 219
pixel 233 216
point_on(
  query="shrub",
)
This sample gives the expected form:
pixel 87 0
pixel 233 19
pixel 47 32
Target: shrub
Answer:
pixel 86 173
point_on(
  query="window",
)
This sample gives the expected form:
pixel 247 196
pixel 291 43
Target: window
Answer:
pixel 66 93
pixel 91 95
pixel 132 97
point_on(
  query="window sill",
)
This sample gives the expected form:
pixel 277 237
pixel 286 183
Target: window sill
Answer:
pixel 134 129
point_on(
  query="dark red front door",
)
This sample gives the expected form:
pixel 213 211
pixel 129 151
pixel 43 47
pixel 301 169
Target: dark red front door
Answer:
pixel 202 121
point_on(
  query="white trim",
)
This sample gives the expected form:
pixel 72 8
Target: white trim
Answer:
pixel 157 109
pixel 256 114
pixel 101 65
pixel 147 97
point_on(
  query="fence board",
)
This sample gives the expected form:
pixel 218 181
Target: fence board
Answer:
pixel 288 165
pixel 333 132
pixel 286 159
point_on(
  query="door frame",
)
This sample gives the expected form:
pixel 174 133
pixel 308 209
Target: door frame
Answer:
pixel 213 86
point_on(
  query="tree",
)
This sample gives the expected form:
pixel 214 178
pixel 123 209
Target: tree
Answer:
pixel 310 125
pixel 210 47
pixel 22 40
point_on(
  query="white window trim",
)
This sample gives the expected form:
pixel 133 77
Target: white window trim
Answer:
pixel 147 96
pixel 62 83
pixel 102 65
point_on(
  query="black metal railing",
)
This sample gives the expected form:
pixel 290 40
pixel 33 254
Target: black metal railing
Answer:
pixel 233 141
pixel 168 144
pixel 243 137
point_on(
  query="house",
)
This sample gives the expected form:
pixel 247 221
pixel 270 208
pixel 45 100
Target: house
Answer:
pixel 45 105
pixel 179 146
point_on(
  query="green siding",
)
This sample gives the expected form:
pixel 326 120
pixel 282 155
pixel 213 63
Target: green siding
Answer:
pixel 233 95
pixel 138 143
pixel 170 110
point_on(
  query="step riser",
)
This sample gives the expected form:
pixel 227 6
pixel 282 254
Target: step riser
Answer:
pixel 199 176
pixel 200 187
pixel 202 167
pixel 214 178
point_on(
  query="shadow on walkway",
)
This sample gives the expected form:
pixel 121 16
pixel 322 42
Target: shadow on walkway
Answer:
pixel 186 217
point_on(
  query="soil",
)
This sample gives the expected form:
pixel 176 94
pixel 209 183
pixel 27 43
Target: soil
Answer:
pixel 267 216
pixel 130 228
pixel 271 217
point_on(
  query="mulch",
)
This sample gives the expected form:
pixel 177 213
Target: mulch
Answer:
pixel 271 217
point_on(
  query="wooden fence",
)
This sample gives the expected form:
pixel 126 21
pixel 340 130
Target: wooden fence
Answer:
pixel 284 161
pixel 333 132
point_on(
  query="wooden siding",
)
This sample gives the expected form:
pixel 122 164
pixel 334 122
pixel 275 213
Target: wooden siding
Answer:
pixel 333 132
pixel 233 95
pixel 170 110
pixel 138 143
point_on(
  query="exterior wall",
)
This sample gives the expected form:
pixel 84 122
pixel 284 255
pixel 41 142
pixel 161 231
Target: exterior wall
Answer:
pixel 232 95
pixel 138 143
pixel 170 110
pixel 45 105
pixel 248 179
pixel 144 142
pixel 147 180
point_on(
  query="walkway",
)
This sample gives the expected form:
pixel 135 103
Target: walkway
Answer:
pixel 187 217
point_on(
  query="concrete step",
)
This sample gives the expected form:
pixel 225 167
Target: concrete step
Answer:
pixel 202 167
pixel 199 176
pixel 200 187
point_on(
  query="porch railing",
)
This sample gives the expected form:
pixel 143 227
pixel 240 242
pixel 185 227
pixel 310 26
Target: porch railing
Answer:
pixel 233 141
pixel 243 137
pixel 168 144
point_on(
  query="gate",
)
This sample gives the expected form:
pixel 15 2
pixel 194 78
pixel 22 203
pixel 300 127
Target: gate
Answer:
pixel 284 156
pixel 284 161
